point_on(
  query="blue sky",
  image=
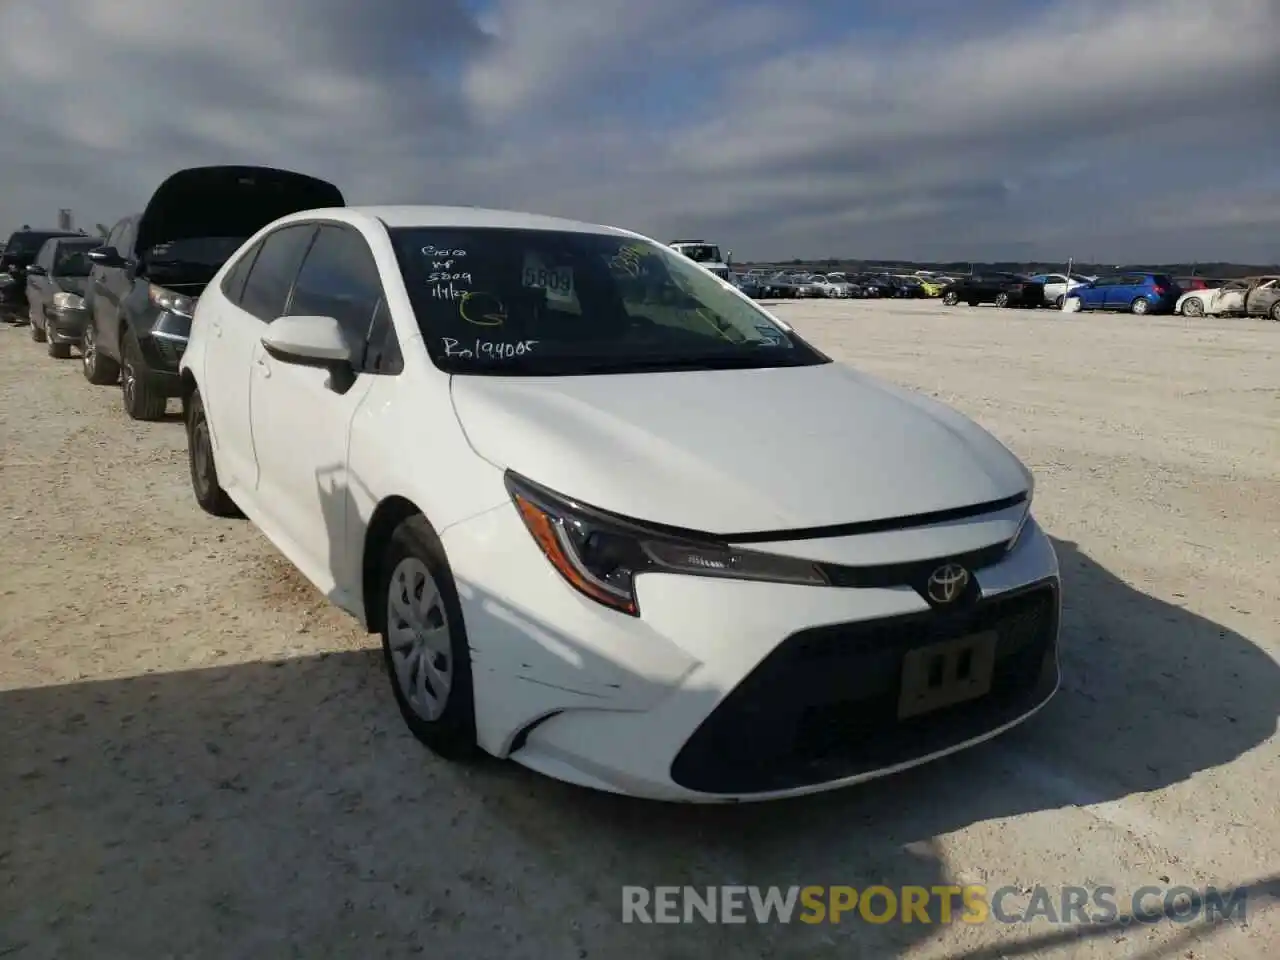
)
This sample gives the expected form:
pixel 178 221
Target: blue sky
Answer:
pixel 922 129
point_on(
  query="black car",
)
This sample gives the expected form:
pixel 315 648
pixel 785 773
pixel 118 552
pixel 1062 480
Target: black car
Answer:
pixel 55 292
pixel 1002 289
pixel 154 265
pixel 19 253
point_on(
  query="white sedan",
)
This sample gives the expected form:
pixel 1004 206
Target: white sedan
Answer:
pixel 611 519
pixel 1214 301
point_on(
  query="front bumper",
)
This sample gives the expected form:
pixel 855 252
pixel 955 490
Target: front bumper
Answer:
pixel 66 326
pixel 727 690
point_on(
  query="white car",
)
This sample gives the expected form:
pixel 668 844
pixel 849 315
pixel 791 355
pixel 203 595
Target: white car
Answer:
pixel 1057 285
pixel 634 534
pixel 1214 301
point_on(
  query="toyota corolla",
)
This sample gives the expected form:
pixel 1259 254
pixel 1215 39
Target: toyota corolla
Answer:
pixel 612 519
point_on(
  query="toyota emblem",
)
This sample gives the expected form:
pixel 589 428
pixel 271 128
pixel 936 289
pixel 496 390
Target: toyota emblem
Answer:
pixel 947 584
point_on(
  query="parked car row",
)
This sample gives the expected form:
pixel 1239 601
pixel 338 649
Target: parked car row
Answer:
pixel 537 513
pixel 783 285
pixel 1137 292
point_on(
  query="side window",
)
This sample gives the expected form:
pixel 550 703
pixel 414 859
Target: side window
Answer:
pixel 128 235
pixel 113 238
pixel 45 257
pixel 233 280
pixel 266 291
pixel 383 355
pixel 339 279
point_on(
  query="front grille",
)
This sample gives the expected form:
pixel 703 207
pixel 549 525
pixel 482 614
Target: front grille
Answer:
pixel 823 705
pixel 165 353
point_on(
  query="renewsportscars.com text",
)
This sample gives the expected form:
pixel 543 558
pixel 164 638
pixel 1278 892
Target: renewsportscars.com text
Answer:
pixel 940 904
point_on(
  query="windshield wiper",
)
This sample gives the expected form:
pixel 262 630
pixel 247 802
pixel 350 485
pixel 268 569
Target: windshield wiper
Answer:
pixel 658 364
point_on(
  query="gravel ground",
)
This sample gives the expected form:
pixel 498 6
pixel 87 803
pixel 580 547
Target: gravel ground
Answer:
pixel 201 758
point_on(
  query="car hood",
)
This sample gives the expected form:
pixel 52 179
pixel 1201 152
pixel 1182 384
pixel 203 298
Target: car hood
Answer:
pixel 738 451
pixel 230 201
pixel 74 285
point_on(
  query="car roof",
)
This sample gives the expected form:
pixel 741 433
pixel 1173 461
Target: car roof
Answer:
pixel 445 216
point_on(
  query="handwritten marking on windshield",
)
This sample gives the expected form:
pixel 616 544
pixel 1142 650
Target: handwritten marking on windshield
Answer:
pixel 437 252
pixel 482 309
pixel 629 259
pixel 487 349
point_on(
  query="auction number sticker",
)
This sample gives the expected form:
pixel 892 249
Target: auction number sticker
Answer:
pixel 556 281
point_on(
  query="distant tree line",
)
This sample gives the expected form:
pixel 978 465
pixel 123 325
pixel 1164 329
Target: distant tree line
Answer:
pixel 1216 270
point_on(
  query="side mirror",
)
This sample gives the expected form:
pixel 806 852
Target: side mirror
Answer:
pixel 37 271
pixel 313 342
pixel 106 257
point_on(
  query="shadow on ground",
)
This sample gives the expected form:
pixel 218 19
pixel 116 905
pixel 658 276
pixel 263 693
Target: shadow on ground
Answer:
pixel 279 809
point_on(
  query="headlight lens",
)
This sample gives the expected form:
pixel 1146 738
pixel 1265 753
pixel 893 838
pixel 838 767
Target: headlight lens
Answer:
pixel 173 302
pixel 600 555
pixel 68 301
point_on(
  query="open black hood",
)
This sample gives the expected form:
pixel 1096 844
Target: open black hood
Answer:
pixel 227 202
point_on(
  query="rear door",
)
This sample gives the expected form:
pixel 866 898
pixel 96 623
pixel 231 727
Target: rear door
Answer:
pixel 1129 287
pixel 115 286
pixel 40 290
pixel 254 292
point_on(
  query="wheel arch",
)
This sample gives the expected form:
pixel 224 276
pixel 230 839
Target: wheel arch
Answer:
pixel 387 515
pixel 188 386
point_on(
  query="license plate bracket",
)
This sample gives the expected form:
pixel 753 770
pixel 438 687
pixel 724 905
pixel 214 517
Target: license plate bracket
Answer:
pixel 945 674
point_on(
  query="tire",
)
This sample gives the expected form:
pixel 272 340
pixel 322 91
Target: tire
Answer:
pixel 98 369
pixel 1072 305
pixel 1139 307
pixel 1275 311
pixel 1002 299
pixel 204 472
pixel 37 332
pixel 1193 307
pixel 141 399
pixel 415 558
pixel 950 298
pixel 1058 301
pixel 59 351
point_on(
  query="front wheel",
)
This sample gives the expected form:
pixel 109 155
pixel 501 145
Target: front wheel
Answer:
pixel 204 473
pixel 1072 305
pixel 1275 311
pixel 59 351
pixel 424 641
pixel 142 401
pixel 1058 301
pixel 1193 308
pixel 950 298
pixel 1002 300
pixel 1140 306
pixel 98 368
pixel 37 332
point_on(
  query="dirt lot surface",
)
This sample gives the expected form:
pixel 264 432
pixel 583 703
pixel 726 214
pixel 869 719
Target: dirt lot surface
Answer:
pixel 201 759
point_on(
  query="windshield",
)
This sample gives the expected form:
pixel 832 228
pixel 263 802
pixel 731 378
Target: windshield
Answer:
pixel 701 252
pixel 71 259
pixel 201 251
pixel 552 303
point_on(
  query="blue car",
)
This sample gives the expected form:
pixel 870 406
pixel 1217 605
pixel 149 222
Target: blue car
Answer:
pixel 1139 293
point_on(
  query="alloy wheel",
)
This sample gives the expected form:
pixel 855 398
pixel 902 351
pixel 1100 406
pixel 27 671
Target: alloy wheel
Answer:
pixel 419 638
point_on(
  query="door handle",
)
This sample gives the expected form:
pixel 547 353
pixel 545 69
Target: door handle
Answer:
pixel 217 328
pixel 266 368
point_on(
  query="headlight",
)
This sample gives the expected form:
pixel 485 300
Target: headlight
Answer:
pixel 1026 514
pixel 601 555
pixel 173 302
pixel 67 301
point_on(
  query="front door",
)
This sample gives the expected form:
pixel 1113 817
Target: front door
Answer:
pixel 301 425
